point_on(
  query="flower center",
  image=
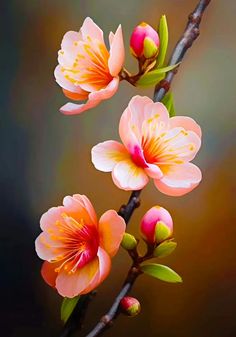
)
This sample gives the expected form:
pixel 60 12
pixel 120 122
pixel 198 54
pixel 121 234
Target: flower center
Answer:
pixel 90 64
pixel 76 242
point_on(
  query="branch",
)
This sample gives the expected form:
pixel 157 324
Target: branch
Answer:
pixel 189 36
pixel 75 322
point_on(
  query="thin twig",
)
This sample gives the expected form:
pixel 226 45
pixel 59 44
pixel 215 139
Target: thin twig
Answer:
pixel 75 322
pixel 189 36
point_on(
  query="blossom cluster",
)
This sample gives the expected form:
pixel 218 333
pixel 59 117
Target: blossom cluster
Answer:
pixel 76 247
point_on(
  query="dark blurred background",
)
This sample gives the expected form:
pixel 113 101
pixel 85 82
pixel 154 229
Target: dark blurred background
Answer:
pixel 46 156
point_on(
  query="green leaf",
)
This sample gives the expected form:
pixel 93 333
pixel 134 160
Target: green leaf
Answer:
pixel 168 101
pixel 161 272
pixel 165 248
pixel 154 76
pixel 67 307
pixel 164 36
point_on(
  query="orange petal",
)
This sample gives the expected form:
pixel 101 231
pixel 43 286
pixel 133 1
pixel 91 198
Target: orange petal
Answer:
pixel 111 231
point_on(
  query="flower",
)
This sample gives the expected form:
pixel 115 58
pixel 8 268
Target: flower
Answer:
pixel 156 225
pixel 87 70
pixel 155 146
pixel 77 248
pixel 144 41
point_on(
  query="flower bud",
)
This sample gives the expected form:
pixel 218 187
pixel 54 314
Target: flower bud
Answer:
pixel 144 41
pixel 128 242
pixel 130 306
pixel 156 225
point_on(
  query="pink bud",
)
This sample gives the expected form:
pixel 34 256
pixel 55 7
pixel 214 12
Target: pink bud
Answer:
pixel 144 41
pixel 154 218
pixel 130 306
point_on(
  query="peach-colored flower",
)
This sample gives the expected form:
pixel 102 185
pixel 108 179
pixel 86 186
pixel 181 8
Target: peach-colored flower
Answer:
pixel 77 248
pixel 87 70
pixel 155 146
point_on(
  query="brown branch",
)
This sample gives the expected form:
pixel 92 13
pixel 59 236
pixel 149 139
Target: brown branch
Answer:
pixel 189 36
pixel 75 322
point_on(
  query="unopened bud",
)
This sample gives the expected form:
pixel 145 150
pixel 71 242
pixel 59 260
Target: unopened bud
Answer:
pixel 130 306
pixel 156 225
pixel 144 41
pixel 128 242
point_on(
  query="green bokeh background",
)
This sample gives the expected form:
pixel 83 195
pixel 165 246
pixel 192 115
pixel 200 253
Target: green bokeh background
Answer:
pixel 46 156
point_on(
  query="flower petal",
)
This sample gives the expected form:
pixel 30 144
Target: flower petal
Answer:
pixel 77 209
pixel 89 28
pixel 103 270
pixel 71 285
pixel 107 154
pixel 117 52
pixel 94 98
pixel 48 273
pixel 49 218
pixel 67 85
pixel 127 176
pixel 179 179
pixel 187 123
pixel 87 205
pixel 111 230
pixel 153 171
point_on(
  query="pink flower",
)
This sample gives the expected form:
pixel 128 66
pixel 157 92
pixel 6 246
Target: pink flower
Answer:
pixel 155 146
pixel 87 70
pixel 144 41
pixel 157 221
pixel 77 248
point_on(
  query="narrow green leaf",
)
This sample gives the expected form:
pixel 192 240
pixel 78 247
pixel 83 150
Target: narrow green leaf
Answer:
pixel 168 101
pixel 67 307
pixel 161 272
pixel 165 248
pixel 155 76
pixel 164 37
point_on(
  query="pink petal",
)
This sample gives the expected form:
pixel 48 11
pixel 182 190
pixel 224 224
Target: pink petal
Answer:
pixel 182 144
pixel 94 99
pixel 103 271
pixel 111 230
pixel 77 209
pixel 89 28
pixel 187 123
pixel 111 38
pixel 117 53
pixel 87 205
pixel 133 116
pixel 179 179
pixel 46 248
pixel 153 171
pixel 71 285
pixel 127 176
pixel 48 273
pixel 107 154
pixel 65 84
pixel 69 38
pixel 49 218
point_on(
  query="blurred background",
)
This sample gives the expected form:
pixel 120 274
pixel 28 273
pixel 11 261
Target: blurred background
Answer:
pixel 45 156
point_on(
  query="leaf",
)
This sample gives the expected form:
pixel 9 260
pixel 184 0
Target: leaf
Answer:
pixel 161 272
pixel 164 37
pixel 67 307
pixel 155 76
pixel 165 248
pixel 168 101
